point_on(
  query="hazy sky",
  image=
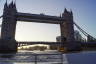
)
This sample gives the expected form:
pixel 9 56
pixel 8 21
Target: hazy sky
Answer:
pixel 84 15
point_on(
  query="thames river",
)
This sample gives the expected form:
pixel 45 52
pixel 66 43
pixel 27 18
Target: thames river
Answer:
pixel 50 57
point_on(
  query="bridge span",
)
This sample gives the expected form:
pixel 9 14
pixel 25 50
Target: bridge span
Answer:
pixel 41 18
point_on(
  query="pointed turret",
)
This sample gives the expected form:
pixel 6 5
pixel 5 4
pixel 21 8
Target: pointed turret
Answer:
pixel 11 5
pixel 71 15
pixel 65 10
pixel 14 1
pixel 71 12
pixel 5 6
pixel 14 5
pixel 5 10
pixel 65 13
pixel 60 15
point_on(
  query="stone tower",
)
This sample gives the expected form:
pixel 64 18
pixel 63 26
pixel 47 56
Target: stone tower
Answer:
pixel 67 28
pixel 9 22
pixel 8 42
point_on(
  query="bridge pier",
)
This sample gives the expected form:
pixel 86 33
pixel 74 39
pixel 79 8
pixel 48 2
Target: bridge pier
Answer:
pixel 8 46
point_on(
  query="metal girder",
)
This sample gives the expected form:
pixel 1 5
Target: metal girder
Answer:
pixel 39 18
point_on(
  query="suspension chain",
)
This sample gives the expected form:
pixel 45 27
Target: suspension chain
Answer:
pixel 85 33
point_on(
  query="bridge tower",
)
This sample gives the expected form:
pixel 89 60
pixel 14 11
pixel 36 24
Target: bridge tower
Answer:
pixel 67 28
pixel 8 27
pixel 9 21
pixel 67 32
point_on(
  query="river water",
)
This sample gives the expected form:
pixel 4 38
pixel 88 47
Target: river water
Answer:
pixel 29 57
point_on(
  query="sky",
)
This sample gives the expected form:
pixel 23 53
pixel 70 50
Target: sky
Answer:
pixel 83 12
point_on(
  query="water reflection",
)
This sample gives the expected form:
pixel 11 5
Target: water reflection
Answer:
pixel 4 59
pixel 7 55
pixel 6 63
pixel 29 57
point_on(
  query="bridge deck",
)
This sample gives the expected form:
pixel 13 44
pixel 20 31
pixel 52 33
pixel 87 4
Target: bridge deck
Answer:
pixel 83 44
pixel 47 43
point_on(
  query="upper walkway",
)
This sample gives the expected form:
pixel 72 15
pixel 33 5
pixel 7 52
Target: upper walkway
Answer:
pixel 41 18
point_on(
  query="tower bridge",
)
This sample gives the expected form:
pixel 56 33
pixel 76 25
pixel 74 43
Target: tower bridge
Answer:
pixel 11 16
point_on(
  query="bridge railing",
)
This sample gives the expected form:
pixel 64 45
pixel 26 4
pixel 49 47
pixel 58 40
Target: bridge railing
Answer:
pixel 32 58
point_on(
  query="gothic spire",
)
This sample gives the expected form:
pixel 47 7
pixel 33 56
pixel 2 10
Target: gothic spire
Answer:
pixel 11 4
pixel 60 15
pixel 14 4
pixel 65 11
pixel 14 1
pixel 5 4
pixel 6 1
pixel 71 12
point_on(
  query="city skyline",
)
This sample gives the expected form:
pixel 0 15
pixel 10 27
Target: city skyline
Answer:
pixel 48 32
